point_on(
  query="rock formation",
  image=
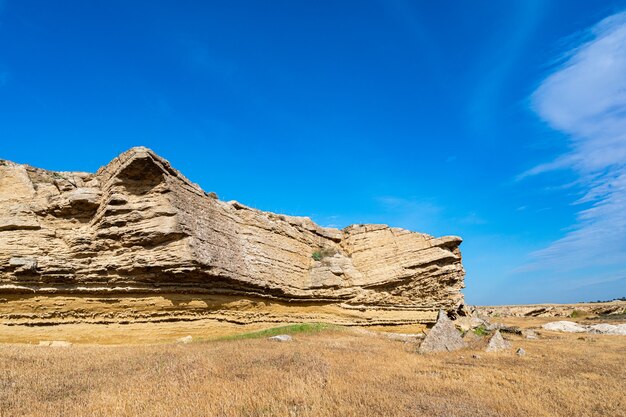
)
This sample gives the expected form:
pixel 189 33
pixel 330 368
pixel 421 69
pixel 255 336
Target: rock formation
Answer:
pixel 137 241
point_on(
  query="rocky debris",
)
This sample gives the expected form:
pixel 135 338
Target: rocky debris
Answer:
pixel 520 352
pixel 497 343
pixel 475 356
pixel 443 337
pixel 55 343
pixel 553 310
pixel 138 228
pixel 470 322
pixel 184 340
pixel 530 334
pixel 504 328
pixel 572 327
pixel 281 338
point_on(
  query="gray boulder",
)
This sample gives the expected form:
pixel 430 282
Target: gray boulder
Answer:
pixel 497 343
pixel 443 337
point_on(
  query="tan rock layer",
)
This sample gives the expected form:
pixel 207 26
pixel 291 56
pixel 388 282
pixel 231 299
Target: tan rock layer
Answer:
pixel 554 310
pixel 139 229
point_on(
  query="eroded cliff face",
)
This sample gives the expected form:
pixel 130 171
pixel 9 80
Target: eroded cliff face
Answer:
pixel 137 241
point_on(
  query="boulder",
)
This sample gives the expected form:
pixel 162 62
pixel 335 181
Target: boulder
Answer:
pixel 565 326
pixel 530 334
pixel 443 337
pixel 605 328
pixel 497 343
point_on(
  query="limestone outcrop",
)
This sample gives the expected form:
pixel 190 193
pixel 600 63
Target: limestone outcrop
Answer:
pixel 139 241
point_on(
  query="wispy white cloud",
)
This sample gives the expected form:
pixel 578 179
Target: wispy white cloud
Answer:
pixel 586 99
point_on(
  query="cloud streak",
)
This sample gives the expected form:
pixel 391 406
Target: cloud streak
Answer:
pixel 586 99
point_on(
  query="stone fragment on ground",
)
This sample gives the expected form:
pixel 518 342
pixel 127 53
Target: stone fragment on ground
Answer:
pixel 281 338
pixel 497 343
pixel 185 340
pixel 530 334
pixel 55 343
pixel 443 337
pixel 520 352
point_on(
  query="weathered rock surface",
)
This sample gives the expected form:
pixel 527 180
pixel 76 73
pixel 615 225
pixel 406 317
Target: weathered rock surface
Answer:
pixel 443 337
pixel 137 241
pixel 497 343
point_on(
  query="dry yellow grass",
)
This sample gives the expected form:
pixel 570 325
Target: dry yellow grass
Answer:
pixel 333 373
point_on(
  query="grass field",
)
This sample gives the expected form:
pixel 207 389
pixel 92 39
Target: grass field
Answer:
pixel 323 372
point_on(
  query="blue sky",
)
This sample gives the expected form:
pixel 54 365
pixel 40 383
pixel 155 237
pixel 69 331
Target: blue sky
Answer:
pixel 501 122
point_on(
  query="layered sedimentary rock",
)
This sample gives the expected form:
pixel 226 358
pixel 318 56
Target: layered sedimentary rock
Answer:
pixel 137 241
pixel 555 310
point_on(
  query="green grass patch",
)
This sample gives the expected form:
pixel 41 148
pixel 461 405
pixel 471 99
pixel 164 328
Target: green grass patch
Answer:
pixel 481 331
pixel 289 329
pixel 576 313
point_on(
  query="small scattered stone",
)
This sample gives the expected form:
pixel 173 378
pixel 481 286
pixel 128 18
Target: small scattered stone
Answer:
pixel 497 343
pixel 530 334
pixel 55 343
pixel 476 356
pixel 281 338
pixel 184 340
pixel 520 352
